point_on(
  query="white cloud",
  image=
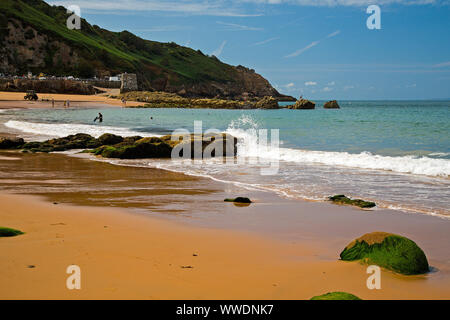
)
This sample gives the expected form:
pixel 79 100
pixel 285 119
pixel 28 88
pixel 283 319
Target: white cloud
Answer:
pixel 219 50
pixel 290 85
pixel 238 27
pixel 349 87
pixel 443 64
pixel 411 85
pixel 265 41
pixel 224 8
pixel 327 89
pixel 185 7
pixel 332 83
pixel 300 51
pixel 310 83
pixel 334 34
pixel 335 3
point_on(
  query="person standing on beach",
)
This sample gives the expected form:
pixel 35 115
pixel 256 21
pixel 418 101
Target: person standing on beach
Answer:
pixel 53 102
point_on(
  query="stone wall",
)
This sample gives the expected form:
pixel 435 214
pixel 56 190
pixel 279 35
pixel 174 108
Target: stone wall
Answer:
pixel 129 82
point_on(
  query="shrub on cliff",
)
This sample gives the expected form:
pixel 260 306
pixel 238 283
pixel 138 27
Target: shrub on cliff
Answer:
pixel 389 251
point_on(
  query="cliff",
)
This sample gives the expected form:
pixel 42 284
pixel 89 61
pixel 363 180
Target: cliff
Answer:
pixel 34 37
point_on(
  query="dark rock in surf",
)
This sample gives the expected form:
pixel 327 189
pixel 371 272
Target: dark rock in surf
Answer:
pixel 342 199
pixel 331 105
pixel 11 143
pixel 239 200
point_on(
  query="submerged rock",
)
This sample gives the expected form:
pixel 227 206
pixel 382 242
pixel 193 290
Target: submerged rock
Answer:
pixel 11 143
pixel 336 296
pixel 303 104
pixel 8 232
pixel 342 199
pixel 389 251
pixel 331 105
pixel 239 200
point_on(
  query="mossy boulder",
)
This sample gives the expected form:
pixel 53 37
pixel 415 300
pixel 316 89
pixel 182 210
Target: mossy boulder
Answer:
pixel 303 104
pixel 11 143
pixel 76 141
pixel 109 139
pixel 336 296
pixel 238 200
pixel 113 146
pixel 342 199
pixel 331 105
pixel 8 232
pixel 389 251
pixel 138 150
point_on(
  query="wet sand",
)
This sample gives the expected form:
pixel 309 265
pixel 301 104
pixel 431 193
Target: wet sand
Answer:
pixel 136 231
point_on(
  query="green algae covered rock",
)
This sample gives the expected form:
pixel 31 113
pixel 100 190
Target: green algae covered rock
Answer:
pixel 239 200
pixel 336 296
pixel 75 141
pixel 140 150
pixel 109 139
pixel 389 251
pixel 342 199
pixel 8 232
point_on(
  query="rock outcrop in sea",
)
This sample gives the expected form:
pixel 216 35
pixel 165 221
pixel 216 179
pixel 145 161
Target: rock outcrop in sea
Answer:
pixel 303 104
pixel 331 105
pixel 389 251
pixel 267 103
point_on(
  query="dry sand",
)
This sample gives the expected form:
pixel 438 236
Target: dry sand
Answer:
pixel 16 100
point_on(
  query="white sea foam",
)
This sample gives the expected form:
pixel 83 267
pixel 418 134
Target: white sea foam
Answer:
pixel 249 146
pixel 65 129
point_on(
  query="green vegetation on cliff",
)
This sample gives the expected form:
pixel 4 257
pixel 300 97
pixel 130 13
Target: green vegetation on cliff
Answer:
pixel 389 251
pixel 96 51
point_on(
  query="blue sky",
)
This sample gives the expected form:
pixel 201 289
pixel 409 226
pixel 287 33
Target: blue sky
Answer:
pixel 321 49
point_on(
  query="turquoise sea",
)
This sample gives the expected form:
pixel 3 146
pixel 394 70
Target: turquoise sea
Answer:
pixel 396 153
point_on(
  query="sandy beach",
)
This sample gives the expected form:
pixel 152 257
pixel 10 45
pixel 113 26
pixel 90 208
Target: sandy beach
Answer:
pixel 133 241
pixel 16 100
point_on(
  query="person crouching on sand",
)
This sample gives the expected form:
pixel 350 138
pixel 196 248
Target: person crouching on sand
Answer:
pixel 99 118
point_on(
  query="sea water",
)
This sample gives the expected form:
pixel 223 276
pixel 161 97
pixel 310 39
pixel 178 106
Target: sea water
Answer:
pixel 396 153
